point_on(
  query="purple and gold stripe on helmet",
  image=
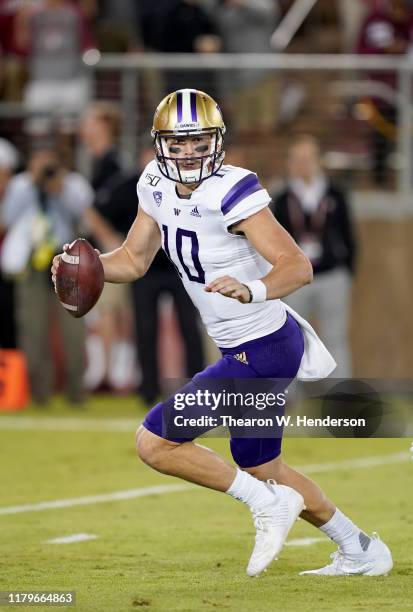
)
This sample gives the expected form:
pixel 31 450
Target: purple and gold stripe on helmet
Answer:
pixel 241 190
pixel 194 116
pixel 179 106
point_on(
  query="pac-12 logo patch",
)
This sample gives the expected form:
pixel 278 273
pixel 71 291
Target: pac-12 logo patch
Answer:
pixel 152 179
pixel 157 196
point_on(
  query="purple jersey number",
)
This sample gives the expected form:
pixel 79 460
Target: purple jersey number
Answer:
pixel 182 234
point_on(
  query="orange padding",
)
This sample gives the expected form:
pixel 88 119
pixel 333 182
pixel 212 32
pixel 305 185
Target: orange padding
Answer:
pixel 14 383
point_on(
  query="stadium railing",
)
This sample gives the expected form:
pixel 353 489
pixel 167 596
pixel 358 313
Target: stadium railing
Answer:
pixel 270 98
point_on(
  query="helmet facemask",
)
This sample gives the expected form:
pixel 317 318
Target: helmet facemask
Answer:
pixel 206 162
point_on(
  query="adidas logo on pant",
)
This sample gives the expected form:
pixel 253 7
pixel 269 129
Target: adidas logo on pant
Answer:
pixel 242 357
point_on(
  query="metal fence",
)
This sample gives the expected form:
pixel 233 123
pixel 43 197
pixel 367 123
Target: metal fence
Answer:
pixel 268 99
pixel 359 107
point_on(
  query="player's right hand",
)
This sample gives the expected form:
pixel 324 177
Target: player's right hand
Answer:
pixel 55 265
pixel 230 287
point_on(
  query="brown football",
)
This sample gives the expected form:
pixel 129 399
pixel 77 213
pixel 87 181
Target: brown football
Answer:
pixel 79 278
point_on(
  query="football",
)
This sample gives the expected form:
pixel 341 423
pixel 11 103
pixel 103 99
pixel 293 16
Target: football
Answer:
pixel 80 278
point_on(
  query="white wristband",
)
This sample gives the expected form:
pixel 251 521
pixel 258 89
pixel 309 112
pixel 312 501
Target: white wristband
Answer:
pixel 258 290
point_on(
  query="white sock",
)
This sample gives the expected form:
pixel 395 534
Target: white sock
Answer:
pixel 253 492
pixel 349 537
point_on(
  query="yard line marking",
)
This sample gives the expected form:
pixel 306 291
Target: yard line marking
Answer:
pixel 95 499
pixel 71 539
pixel 306 541
pixel 363 462
pixel 26 423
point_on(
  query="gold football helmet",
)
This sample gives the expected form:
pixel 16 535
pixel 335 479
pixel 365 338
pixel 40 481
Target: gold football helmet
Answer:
pixel 183 115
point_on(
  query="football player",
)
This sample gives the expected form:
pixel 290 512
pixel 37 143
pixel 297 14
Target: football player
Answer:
pixel 236 262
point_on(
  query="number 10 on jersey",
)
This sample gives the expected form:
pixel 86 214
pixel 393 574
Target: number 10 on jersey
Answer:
pixel 181 236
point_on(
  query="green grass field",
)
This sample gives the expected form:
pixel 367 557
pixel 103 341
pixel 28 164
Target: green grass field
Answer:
pixel 183 550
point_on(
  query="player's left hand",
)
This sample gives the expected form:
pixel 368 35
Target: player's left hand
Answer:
pixel 230 287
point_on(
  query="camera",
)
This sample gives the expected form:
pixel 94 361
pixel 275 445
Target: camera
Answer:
pixel 49 172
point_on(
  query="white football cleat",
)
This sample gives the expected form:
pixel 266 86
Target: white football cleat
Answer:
pixel 273 525
pixel 376 561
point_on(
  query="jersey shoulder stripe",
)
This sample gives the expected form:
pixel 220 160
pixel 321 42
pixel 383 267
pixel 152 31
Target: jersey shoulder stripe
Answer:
pixel 241 190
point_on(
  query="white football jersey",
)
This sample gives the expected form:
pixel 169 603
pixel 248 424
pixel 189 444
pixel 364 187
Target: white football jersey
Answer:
pixel 196 237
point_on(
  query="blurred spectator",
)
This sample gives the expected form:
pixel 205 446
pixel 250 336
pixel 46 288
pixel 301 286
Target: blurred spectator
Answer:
pixel 175 26
pixel 118 30
pixel 42 209
pixel 99 133
pixel 246 26
pixel 316 213
pixel 385 31
pixel 112 325
pixel 151 19
pixel 54 37
pixel 8 163
pixel 14 72
pixel 121 204
pixel 188 29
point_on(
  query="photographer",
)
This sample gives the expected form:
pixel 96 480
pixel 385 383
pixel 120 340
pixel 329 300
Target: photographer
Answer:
pixel 42 210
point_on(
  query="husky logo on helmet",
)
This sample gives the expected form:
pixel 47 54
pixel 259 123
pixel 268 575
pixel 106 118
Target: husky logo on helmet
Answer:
pixel 185 114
